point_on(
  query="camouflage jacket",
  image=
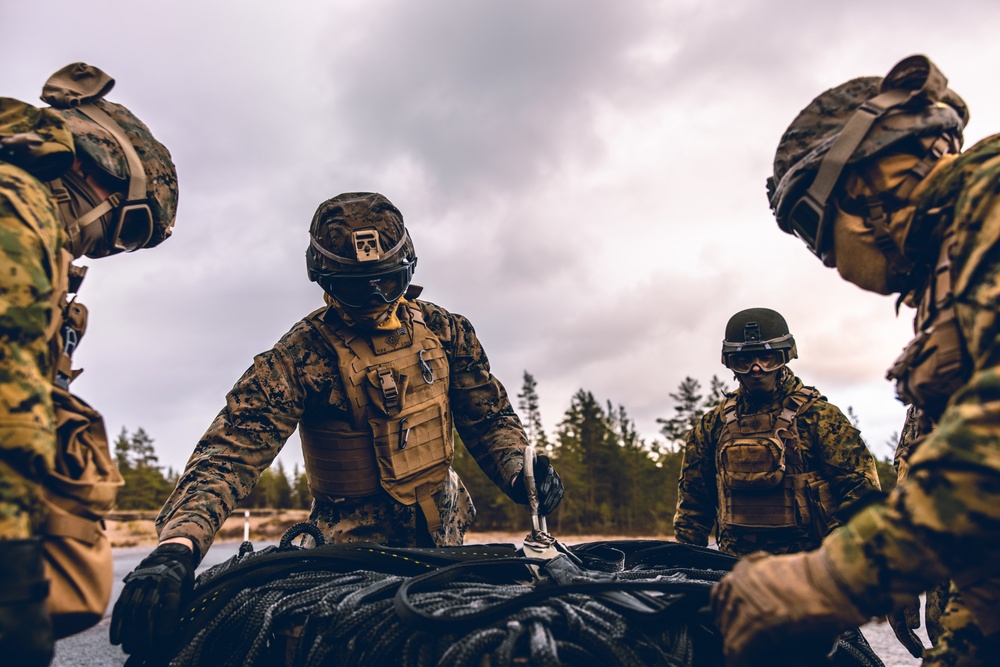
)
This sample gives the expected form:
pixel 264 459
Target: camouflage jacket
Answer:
pixel 31 236
pixel 832 447
pixel 944 521
pixel 299 374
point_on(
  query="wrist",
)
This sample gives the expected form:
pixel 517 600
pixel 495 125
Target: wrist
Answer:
pixel 850 555
pixel 184 542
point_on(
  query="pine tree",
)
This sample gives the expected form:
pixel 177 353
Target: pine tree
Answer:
pixel 688 409
pixel 146 488
pixel 528 405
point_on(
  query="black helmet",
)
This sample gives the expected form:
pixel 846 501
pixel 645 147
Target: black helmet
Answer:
pixel 852 122
pixel 359 249
pixel 757 330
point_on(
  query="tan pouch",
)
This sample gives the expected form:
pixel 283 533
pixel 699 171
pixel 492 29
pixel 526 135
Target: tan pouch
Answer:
pixel 752 463
pixel 79 492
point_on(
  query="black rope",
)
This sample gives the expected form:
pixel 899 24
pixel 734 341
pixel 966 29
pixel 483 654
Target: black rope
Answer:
pixel 615 604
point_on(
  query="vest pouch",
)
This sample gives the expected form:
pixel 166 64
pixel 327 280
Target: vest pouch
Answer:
pixel 387 390
pixel 413 450
pixel 932 367
pixel 752 463
pixel 78 492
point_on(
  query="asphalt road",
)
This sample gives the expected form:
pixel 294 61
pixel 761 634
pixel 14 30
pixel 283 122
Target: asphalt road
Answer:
pixel 92 649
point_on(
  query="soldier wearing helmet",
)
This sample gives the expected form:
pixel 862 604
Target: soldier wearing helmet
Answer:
pixel 772 465
pixel 870 176
pixel 376 381
pixel 81 177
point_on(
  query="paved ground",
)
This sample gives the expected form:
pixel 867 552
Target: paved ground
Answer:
pixel 92 649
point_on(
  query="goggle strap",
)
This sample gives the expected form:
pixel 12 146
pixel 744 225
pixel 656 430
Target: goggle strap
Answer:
pixel 95 213
pixel 352 260
pixel 136 172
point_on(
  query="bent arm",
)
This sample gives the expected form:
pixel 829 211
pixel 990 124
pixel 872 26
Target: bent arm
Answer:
pixel 261 412
pixel 697 491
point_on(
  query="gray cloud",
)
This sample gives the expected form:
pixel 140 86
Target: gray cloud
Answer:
pixel 584 180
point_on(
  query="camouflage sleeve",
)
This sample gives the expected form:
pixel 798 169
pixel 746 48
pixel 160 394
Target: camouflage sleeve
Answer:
pixel 261 412
pixel 697 493
pixel 945 520
pixel 907 440
pixel 845 461
pixel 30 236
pixel 484 416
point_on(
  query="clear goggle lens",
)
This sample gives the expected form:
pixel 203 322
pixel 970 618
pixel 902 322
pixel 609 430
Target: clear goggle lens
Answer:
pixel 767 360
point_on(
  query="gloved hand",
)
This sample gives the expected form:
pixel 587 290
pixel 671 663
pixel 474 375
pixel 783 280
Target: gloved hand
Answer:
pixel 903 622
pixel 782 610
pixel 147 610
pixel 548 484
pixel 25 627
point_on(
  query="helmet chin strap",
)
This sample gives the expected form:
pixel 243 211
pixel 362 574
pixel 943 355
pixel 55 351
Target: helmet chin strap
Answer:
pixel 85 231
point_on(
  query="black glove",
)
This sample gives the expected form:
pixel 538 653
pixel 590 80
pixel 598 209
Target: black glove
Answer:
pixel 25 627
pixel 550 487
pixel 903 622
pixel 147 610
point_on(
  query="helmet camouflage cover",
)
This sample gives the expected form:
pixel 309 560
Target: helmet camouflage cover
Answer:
pixel 79 84
pixel 358 243
pixel 918 104
pixel 756 329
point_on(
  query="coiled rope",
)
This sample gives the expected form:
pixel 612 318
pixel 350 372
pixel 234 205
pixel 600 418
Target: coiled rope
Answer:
pixel 611 603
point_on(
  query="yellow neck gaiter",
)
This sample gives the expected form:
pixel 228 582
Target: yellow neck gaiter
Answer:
pixel 380 318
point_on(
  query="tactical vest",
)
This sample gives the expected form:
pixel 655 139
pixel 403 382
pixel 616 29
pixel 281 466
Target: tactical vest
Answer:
pixel 399 437
pixel 935 364
pixel 762 481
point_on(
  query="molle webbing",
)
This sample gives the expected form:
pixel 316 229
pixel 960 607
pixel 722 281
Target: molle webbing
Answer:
pixel 339 463
pixel 934 365
pixel 762 478
pixel 398 437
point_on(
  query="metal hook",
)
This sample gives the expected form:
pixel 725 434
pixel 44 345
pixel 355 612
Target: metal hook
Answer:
pixel 404 434
pixel 425 370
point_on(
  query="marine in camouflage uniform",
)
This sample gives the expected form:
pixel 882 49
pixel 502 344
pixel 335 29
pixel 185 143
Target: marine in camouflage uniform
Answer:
pixel 71 184
pixel 299 375
pixel 370 378
pixel 907 214
pixel 834 459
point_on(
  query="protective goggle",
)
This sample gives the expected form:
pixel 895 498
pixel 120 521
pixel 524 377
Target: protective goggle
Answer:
pixel 132 225
pixel 359 290
pixel 767 360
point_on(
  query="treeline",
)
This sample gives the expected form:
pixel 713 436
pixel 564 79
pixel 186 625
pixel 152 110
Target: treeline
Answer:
pixel 616 482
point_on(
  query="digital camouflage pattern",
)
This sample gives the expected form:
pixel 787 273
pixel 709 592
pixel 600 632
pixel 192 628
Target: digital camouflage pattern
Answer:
pixel 814 131
pixel 944 522
pixel 31 237
pixel 833 447
pixel 937 597
pixel 299 375
pixel 79 83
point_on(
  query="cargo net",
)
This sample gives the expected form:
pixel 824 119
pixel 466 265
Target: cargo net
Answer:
pixel 629 602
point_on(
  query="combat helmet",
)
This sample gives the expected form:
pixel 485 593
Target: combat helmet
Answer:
pixel 110 139
pixel 854 121
pixel 757 335
pixel 359 250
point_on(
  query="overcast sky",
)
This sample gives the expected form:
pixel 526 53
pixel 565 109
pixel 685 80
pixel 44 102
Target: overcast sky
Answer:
pixel 583 179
